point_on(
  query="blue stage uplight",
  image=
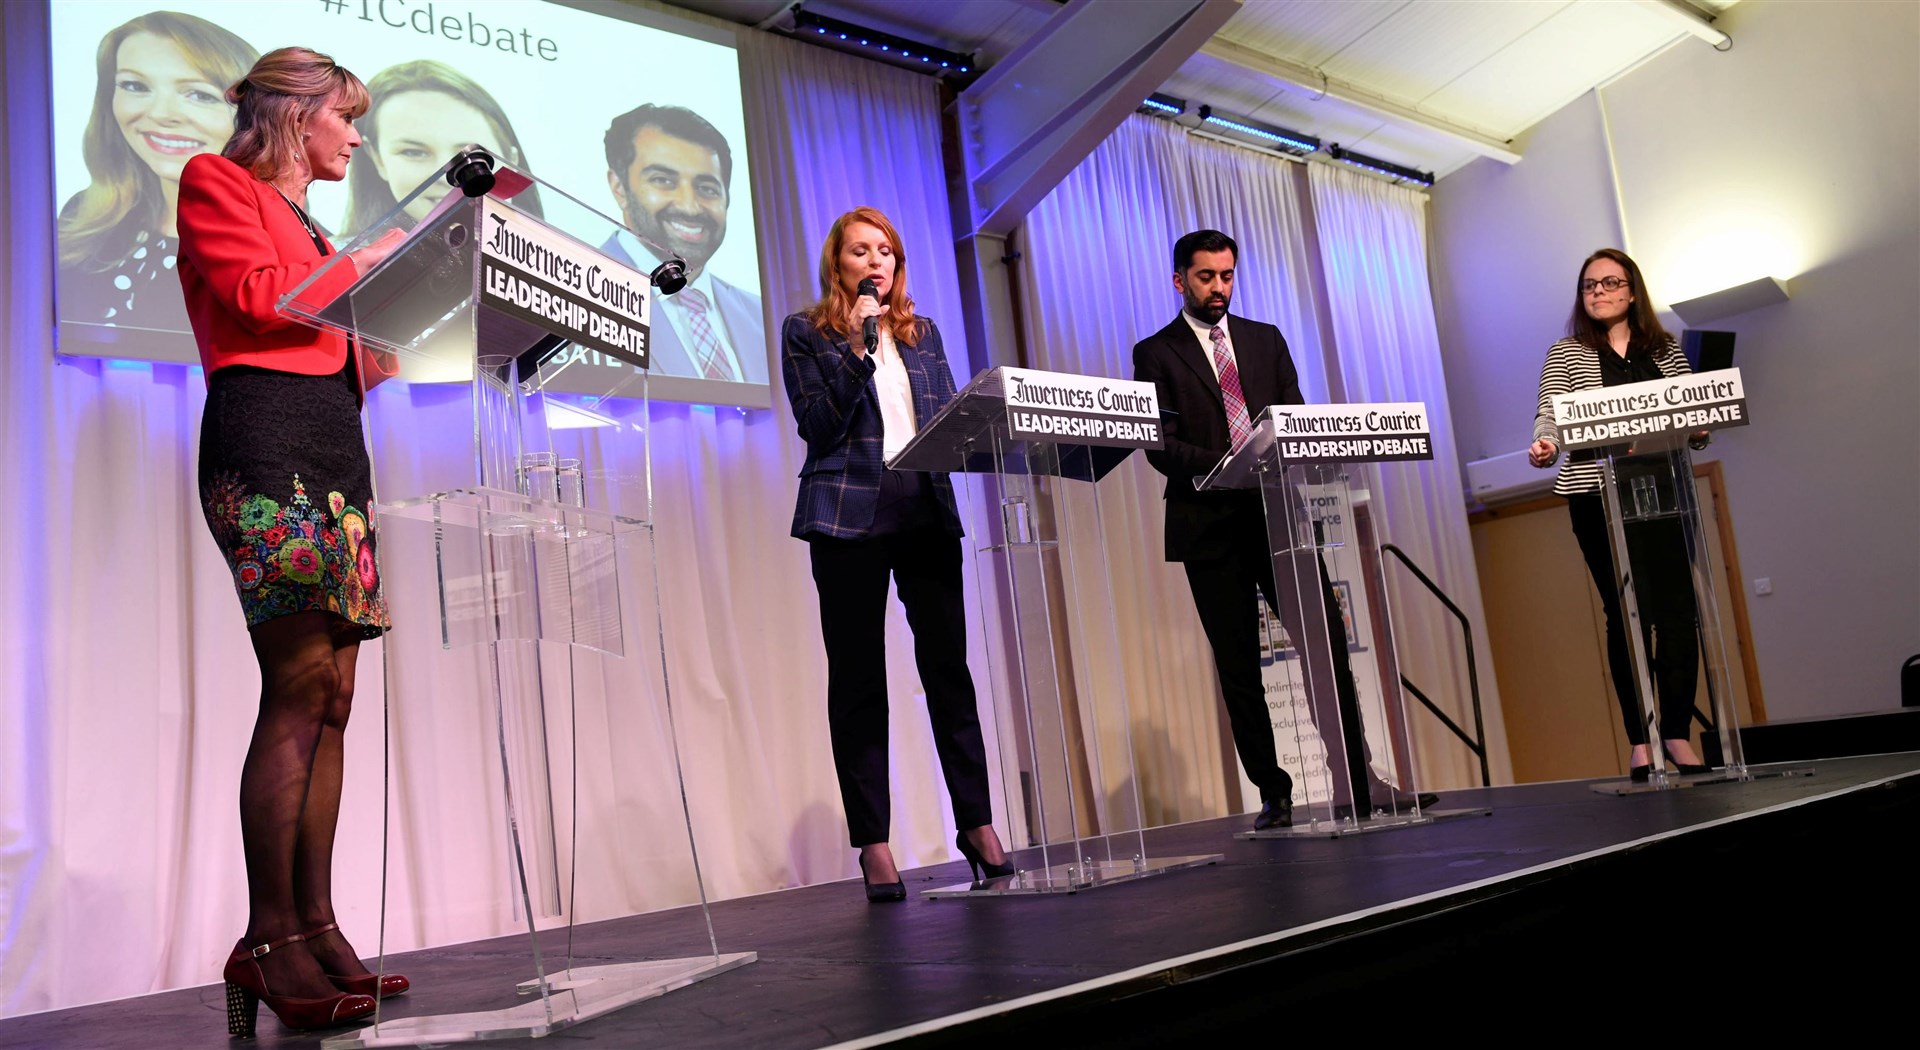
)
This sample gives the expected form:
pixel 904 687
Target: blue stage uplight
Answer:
pixel 1263 133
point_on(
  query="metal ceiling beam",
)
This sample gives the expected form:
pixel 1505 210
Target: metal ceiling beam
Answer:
pixel 1038 112
pixel 1690 18
pixel 1309 79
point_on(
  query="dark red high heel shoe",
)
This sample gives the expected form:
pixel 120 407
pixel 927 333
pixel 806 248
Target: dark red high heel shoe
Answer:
pixel 390 984
pixel 247 987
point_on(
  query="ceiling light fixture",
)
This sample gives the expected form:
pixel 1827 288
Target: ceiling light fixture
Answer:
pixel 897 49
pixel 1286 141
pixel 1380 167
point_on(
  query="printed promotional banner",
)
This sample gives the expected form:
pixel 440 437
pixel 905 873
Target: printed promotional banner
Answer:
pixel 558 284
pixel 634 112
pixel 1352 433
pixel 1680 405
pixel 1081 410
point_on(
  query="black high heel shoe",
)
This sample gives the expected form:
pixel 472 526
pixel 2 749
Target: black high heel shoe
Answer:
pixel 978 864
pixel 1685 769
pixel 881 892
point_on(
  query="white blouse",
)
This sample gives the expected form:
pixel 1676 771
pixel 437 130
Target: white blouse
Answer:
pixel 896 396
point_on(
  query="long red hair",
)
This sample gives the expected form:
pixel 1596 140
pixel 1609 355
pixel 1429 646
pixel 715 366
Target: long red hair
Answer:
pixel 834 311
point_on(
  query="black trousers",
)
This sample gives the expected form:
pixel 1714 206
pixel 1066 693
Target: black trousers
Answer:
pixel 1230 618
pixel 1662 581
pixel 923 561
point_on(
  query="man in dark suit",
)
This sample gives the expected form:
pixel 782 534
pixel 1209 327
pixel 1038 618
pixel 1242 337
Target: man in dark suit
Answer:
pixel 671 172
pixel 1215 374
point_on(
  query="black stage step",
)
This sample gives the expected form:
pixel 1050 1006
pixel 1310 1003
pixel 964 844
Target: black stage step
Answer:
pixel 1869 733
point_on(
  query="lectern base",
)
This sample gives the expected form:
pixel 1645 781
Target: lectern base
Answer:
pixel 1072 878
pixel 576 995
pixel 1675 781
pixel 1335 828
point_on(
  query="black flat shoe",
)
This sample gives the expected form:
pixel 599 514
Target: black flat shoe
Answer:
pixel 982 871
pixel 1641 774
pixel 1274 813
pixel 881 892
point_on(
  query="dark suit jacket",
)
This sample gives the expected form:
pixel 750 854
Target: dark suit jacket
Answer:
pixel 838 413
pixel 1201 524
pixel 746 329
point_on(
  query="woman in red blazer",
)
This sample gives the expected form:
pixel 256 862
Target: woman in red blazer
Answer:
pixel 287 489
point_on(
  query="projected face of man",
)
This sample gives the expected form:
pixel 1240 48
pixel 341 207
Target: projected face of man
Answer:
pixel 417 131
pixel 673 198
pixel 167 109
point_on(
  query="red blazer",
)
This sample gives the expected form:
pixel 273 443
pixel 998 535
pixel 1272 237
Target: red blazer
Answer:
pixel 241 249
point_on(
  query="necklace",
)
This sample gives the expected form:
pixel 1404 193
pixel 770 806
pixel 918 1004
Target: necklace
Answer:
pixel 298 212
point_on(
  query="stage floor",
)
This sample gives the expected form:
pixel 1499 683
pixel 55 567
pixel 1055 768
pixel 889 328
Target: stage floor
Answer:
pixel 834 971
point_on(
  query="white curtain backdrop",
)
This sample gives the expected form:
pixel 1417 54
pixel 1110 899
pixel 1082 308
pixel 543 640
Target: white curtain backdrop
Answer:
pixel 1096 276
pixel 1096 273
pixel 127 687
pixel 1373 246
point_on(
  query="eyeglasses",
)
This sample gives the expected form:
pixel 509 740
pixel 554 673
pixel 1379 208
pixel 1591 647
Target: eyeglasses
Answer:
pixel 1611 284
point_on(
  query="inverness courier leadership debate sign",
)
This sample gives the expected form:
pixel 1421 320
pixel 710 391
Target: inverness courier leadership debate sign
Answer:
pixel 1369 433
pixel 1613 415
pixel 1067 409
pixel 550 280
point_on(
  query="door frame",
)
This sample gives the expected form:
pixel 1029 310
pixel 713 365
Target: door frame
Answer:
pixel 1729 568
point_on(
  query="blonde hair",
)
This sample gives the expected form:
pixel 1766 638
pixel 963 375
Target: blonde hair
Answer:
pixel 834 311
pixel 276 99
pixel 123 199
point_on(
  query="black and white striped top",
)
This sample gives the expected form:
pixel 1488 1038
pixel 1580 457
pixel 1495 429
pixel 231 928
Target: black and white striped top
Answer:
pixel 1570 367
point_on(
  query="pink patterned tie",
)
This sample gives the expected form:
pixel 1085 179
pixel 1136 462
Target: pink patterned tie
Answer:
pixel 1238 423
pixel 706 343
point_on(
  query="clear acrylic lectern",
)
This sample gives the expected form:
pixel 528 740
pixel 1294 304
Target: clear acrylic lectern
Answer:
pixel 1639 434
pixel 1065 739
pixel 1328 576
pixel 527 660
pixel 1651 504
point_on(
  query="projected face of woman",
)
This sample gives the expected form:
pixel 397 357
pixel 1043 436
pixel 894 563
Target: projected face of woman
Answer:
pixel 417 131
pixel 166 108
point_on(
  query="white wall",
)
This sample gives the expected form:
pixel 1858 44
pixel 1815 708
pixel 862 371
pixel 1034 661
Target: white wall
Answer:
pixel 1795 154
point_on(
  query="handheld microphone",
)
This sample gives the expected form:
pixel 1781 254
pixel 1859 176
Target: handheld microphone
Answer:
pixel 870 329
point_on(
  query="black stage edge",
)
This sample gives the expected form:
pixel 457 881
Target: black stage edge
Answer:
pixel 1564 916
pixel 1800 739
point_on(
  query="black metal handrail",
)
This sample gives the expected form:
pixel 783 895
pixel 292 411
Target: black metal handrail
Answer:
pixel 1477 743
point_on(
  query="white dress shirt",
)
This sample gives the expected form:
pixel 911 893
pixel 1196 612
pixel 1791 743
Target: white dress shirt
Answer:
pixel 890 381
pixel 1204 332
pixel 675 308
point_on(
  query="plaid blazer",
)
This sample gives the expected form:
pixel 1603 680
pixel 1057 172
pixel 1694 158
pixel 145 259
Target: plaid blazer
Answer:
pixel 836 409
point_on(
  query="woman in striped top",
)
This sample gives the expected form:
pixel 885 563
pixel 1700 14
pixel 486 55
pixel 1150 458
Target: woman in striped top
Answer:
pixel 1613 337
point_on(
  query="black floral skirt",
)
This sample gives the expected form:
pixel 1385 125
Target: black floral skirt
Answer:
pixel 288 493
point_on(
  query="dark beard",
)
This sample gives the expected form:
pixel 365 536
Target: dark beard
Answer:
pixel 1205 313
pixel 651 230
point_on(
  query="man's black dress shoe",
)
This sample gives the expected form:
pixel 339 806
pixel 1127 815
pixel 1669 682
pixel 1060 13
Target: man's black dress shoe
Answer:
pixel 1274 813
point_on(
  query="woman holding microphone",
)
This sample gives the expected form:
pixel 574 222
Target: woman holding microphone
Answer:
pixel 862 371
pixel 1613 337
pixel 286 487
